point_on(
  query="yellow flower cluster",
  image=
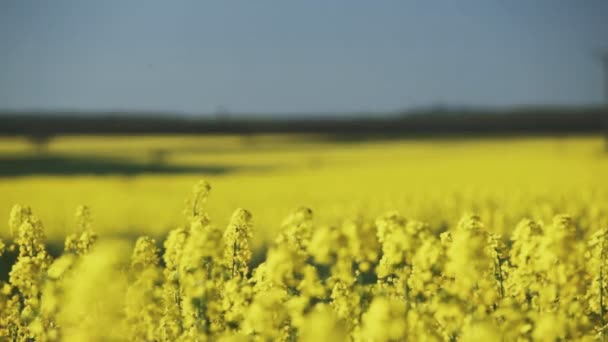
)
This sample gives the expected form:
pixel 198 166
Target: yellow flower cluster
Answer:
pixel 391 279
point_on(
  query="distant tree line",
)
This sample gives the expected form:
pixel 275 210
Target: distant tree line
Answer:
pixel 41 127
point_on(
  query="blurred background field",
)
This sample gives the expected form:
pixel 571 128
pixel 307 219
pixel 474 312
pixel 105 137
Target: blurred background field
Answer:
pixel 352 109
pixel 138 185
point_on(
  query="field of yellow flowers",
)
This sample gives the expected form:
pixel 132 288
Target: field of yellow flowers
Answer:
pixel 289 239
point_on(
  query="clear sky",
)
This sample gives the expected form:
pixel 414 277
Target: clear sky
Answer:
pixel 298 56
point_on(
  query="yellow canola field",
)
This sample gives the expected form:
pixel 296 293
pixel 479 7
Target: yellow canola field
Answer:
pixel 431 180
pixel 430 240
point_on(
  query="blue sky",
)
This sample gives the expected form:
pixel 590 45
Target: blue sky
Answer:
pixel 299 56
